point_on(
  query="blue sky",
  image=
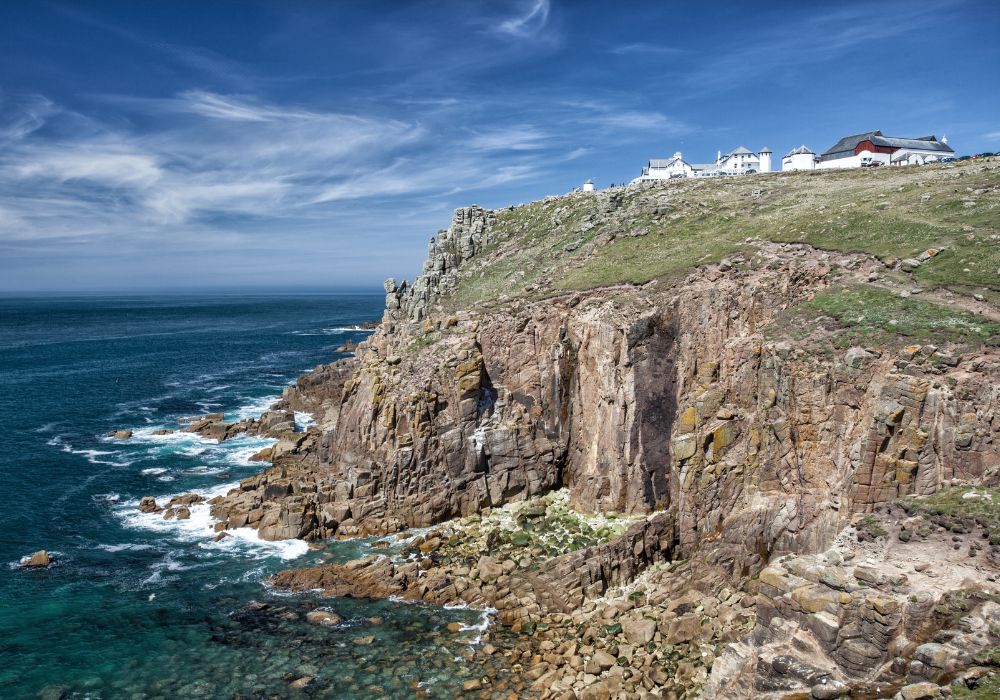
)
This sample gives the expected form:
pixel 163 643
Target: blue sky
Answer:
pixel 177 145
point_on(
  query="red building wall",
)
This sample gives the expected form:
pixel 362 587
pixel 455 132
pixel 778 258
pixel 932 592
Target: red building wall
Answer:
pixel 872 148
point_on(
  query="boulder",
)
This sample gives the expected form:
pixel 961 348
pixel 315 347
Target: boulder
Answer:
pixel 121 434
pixel 919 691
pixel 597 691
pixel 683 629
pixel 858 358
pixel 38 560
pixel 601 661
pixel 489 569
pixel 323 617
pixel 262 456
pixel 639 631
pixel 829 690
pixel 148 505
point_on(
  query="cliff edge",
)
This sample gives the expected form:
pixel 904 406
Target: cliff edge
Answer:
pixel 742 369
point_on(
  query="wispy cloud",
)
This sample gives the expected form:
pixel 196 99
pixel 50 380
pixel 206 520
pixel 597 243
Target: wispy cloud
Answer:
pixel 195 58
pixel 528 24
pixel 406 176
pixel 615 115
pixel 643 48
pixel 636 119
pixel 25 118
pixel 992 136
pixel 234 109
pixel 213 155
pixel 812 38
pixel 516 138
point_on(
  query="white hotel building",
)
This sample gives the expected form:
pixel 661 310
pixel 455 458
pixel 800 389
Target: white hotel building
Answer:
pixel 741 161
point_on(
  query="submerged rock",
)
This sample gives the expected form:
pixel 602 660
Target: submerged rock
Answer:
pixel 323 617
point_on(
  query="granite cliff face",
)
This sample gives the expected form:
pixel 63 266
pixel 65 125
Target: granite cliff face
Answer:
pixel 757 403
pixel 645 400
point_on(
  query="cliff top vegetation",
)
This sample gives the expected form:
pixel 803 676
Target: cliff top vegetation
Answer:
pixel 659 232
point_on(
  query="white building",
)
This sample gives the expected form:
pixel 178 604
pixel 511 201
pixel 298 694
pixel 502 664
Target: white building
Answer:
pixel 666 169
pixel 588 186
pixel 741 161
pixel 863 150
pixel 910 156
pixel 800 158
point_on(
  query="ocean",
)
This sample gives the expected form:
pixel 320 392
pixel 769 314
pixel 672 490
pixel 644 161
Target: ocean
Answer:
pixel 139 607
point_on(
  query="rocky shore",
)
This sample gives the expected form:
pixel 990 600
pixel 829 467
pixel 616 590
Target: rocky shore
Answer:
pixel 685 439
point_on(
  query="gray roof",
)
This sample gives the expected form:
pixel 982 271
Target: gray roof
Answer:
pixel 741 150
pixel 664 162
pixel 845 147
pixel 799 150
pixel 765 149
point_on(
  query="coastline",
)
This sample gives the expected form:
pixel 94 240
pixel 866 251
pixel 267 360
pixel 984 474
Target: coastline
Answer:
pixel 744 415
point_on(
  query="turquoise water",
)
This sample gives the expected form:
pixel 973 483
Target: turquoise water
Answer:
pixel 140 607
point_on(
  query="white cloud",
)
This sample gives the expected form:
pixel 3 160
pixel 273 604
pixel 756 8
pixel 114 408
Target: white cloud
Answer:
pixel 406 176
pixel 618 116
pixel 25 118
pixel 239 109
pixel 529 23
pixel 517 138
pixel 643 48
pixel 641 120
pixel 103 164
pixel 208 162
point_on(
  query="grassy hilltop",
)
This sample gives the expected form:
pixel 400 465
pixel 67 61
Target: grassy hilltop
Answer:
pixel 662 231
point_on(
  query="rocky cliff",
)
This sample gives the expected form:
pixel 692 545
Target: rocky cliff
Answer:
pixel 758 362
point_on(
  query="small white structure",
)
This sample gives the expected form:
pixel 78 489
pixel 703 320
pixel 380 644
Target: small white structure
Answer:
pixel 800 158
pixel 588 186
pixel 765 159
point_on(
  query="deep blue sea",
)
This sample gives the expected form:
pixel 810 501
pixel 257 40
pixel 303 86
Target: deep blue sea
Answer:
pixel 139 607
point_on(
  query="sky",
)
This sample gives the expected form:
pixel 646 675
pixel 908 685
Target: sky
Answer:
pixel 291 144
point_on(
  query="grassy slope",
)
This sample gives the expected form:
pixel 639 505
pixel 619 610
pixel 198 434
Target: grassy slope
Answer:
pixel 662 232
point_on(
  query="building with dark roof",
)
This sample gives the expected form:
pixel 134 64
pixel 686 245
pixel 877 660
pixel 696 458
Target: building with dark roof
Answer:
pixel 871 147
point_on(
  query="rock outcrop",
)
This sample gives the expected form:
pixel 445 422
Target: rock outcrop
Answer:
pixel 39 560
pixel 740 410
pixel 643 400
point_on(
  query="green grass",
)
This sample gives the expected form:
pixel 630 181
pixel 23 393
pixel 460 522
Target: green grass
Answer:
pixel 869 528
pixel 585 241
pixel 871 316
pixel 883 234
pixel 989 657
pixel 951 507
pixel 987 688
